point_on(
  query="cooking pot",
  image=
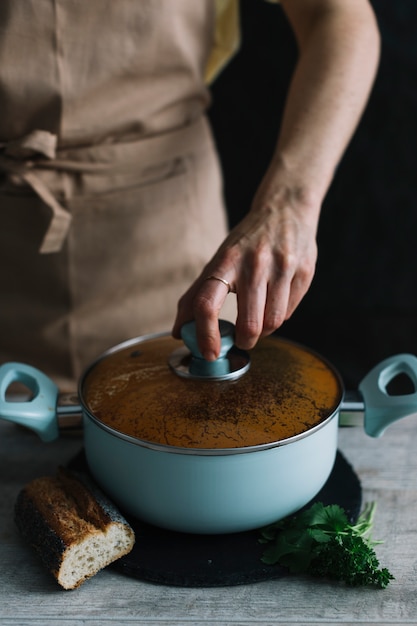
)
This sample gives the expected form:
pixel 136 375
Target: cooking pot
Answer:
pixel 210 448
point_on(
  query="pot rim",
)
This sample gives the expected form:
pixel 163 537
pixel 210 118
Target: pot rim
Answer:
pixel 160 447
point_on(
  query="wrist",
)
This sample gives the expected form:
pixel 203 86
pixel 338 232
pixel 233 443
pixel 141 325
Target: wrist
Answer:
pixel 285 184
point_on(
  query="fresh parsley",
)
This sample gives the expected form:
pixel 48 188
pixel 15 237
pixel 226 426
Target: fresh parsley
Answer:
pixel 320 541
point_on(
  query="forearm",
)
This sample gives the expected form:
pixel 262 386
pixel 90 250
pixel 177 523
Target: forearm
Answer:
pixel 339 51
pixel 269 258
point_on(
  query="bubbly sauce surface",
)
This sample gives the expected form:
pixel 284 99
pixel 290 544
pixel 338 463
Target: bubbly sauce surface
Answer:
pixel 287 391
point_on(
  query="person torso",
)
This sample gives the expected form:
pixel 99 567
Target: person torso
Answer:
pixel 101 71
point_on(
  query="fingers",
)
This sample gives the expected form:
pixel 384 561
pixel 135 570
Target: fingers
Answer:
pixel 263 306
pixel 203 303
pixel 299 288
pixel 262 310
pixel 263 292
pixel 251 297
pixel 207 306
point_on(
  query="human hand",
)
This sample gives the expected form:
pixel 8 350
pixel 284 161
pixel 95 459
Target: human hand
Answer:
pixel 268 260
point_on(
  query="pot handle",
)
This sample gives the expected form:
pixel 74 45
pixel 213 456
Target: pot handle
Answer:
pixel 38 413
pixel 382 409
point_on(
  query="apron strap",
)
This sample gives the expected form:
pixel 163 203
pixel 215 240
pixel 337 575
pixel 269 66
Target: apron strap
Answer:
pixel 26 160
pixel 16 162
pixel 61 219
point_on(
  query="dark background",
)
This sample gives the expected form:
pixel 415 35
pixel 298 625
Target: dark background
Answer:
pixel 362 305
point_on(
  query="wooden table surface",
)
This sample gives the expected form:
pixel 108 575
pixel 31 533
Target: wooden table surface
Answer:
pixel 387 468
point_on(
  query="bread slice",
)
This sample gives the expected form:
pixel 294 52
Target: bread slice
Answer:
pixel 75 529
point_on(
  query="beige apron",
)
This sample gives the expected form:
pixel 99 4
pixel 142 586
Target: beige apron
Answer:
pixel 132 185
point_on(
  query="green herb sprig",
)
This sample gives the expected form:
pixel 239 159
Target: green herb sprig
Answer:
pixel 320 541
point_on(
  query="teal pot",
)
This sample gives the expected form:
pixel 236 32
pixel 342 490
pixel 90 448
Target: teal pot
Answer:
pixel 180 481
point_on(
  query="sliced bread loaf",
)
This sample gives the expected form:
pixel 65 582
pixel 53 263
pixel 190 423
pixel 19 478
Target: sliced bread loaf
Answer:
pixel 75 529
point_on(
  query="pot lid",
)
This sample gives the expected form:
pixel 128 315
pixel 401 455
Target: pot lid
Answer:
pixel 287 391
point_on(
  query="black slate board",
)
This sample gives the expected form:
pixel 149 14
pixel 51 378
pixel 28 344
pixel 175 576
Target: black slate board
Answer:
pixel 186 560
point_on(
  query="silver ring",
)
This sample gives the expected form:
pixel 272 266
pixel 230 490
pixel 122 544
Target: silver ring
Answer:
pixel 222 280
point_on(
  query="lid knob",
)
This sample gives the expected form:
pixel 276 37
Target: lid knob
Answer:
pixel 198 364
pixel 230 364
